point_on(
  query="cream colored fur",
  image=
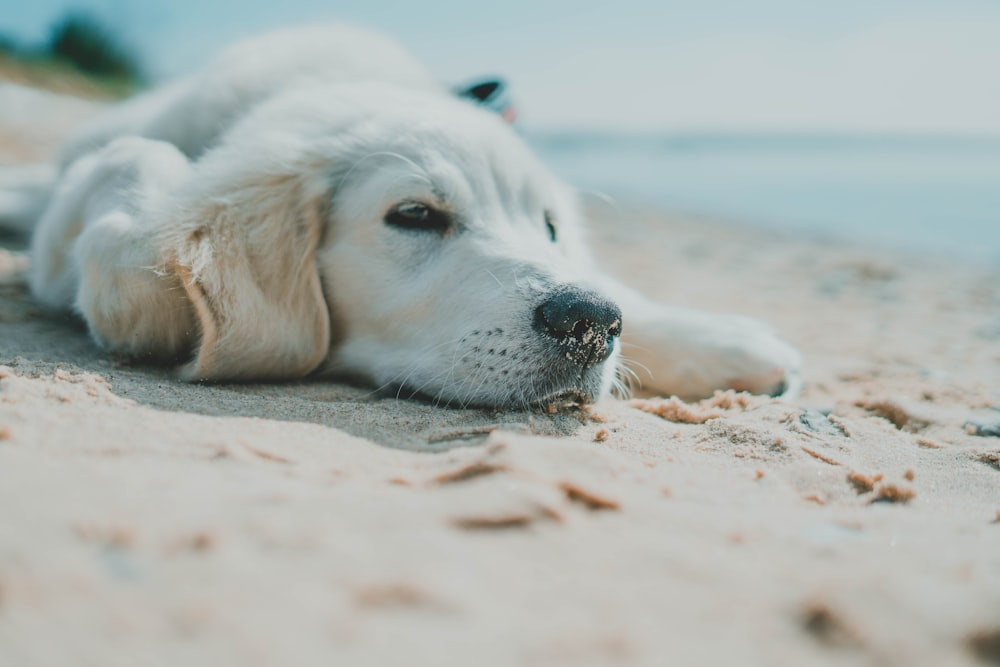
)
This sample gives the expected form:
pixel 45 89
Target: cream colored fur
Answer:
pixel 234 222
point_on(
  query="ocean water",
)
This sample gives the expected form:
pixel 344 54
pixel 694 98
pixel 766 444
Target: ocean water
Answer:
pixel 935 195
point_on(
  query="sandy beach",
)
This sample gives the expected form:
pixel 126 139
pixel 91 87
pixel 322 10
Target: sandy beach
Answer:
pixel 145 521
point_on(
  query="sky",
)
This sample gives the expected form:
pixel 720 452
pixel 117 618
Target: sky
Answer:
pixel 904 66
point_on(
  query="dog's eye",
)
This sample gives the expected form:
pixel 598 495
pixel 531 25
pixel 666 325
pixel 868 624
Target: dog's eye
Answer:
pixel 413 215
pixel 550 225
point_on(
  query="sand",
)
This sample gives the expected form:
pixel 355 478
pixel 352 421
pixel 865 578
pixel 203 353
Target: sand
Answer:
pixel 145 521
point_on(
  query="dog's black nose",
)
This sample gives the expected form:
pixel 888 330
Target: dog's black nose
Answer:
pixel 585 324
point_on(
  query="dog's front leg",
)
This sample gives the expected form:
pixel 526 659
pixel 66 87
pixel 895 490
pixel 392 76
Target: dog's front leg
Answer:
pixel 100 251
pixel 689 353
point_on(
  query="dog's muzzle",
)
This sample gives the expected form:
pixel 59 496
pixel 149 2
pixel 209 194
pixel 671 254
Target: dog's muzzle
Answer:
pixel 583 324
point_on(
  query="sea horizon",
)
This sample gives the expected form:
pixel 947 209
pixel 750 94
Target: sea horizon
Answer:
pixel 929 193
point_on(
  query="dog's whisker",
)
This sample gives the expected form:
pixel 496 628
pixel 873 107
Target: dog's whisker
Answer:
pixel 447 372
pixel 417 173
pixel 620 386
pixel 408 371
pixel 493 275
pixel 633 346
pixel 439 396
pixel 484 377
pixel 391 381
pixel 601 196
pixel 463 397
pixel 627 375
pixel 628 363
pixel 479 377
pixel 433 379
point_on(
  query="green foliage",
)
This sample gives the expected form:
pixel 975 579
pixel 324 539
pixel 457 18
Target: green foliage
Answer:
pixel 81 57
pixel 82 40
pixel 8 45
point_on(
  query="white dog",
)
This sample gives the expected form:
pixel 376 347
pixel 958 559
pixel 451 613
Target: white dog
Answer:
pixel 313 203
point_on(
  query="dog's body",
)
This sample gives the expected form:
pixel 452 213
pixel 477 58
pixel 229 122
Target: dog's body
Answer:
pixel 314 202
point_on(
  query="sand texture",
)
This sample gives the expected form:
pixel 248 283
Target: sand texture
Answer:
pixel 144 521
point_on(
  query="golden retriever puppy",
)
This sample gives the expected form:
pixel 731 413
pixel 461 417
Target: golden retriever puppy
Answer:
pixel 314 203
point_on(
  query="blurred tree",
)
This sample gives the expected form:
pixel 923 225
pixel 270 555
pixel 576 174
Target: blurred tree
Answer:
pixel 8 44
pixel 85 42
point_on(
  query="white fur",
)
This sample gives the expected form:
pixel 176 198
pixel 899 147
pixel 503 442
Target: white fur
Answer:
pixel 244 235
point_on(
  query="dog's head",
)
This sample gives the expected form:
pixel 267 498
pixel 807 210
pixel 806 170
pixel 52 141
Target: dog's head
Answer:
pixel 406 238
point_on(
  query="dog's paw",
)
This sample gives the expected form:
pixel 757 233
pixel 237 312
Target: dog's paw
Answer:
pixel 692 355
pixel 750 356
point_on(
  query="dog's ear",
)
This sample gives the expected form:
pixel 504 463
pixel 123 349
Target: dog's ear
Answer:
pixel 246 255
